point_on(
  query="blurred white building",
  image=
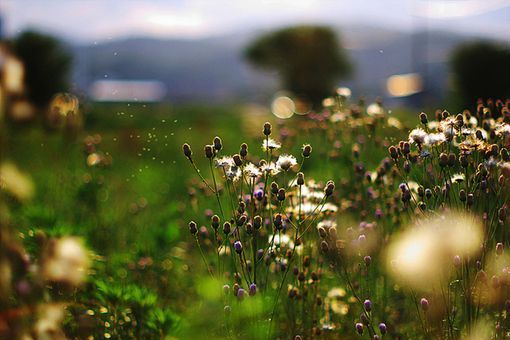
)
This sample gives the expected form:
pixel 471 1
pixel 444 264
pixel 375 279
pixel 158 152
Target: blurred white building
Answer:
pixel 127 91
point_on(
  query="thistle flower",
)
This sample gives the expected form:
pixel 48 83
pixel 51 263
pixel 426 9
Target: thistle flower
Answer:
pixel 186 149
pixel 307 150
pixel 270 169
pixel 424 303
pixel 359 328
pixel 224 162
pixel 193 228
pixel 270 144
pixel 368 305
pixel 238 247
pixel 285 162
pixel 253 289
pixel 252 171
pixel 65 260
pixel 233 173
pixel 418 136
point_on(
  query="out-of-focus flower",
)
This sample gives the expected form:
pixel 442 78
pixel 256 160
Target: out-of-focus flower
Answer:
pixel 286 162
pixel 344 92
pixel 270 144
pixel 15 182
pixel 375 110
pixel 224 162
pixel 65 260
pixel 252 171
pixel 418 136
pixel 419 254
pixel 50 319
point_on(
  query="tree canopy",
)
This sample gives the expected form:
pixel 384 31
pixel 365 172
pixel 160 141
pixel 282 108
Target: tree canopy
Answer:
pixel 309 59
pixel 481 70
pixel 47 64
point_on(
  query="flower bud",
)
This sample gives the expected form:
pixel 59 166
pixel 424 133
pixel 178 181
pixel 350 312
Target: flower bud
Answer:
pixel 193 228
pixel 238 247
pixel 307 150
pixel 209 151
pixel 424 304
pixel 423 118
pixel 257 222
pixel 237 160
pixel 300 178
pixel 281 194
pixel 217 143
pixel 226 228
pixel 267 128
pixel 186 149
pixel 243 152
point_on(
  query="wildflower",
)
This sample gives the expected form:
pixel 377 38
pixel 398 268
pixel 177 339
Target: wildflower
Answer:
pixel 499 248
pixel 359 328
pixel 193 228
pixel 224 162
pixel 269 169
pixel 243 152
pixel 368 305
pixel 270 144
pixel 375 110
pixel 233 173
pixel 252 171
pixel 65 260
pixel 382 328
pixel 300 179
pixel 285 162
pixel 267 128
pixel 435 139
pixel 418 136
pixel 240 293
pixel 209 151
pixel 237 160
pixel 330 187
pixel 424 304
pixel 344 92
pixel 217 143
pixel 368 260
pixel 238 247
pixel 253 289
pixel 458 178
pixel 502 129
pixel 307 150
pixel 215 222
pixel 423 118
pixel 186 149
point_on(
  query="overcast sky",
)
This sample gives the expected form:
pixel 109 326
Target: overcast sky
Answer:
pixel 88 21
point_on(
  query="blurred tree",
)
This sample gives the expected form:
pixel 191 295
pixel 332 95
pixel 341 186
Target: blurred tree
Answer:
pixel 47 65
pixel 309 59
pixel 481 70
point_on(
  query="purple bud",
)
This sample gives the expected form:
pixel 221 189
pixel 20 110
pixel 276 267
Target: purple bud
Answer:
pixel 238 247
pixel 368 260
pixel 368 305
pixel 193 228
pixel 359 328
pixel 240 293
pixel 361 239
pixel 259 194
pixel 382 328
pixel 253 289
pixel 226 289
pixel 424 304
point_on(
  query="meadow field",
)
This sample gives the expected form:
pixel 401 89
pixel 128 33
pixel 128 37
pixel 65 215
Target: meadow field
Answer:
pixel 154 221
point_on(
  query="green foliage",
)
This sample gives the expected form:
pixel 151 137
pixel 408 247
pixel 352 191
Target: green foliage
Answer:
pixel 47 65
pixel 481 70
pixel 309 59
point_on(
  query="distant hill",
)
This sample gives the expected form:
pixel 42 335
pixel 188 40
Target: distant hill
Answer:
pixel 214 70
